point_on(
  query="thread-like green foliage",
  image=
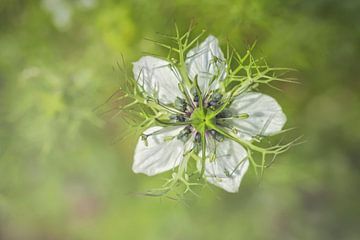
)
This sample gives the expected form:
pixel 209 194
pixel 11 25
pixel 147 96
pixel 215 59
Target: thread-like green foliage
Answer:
pixel 141 111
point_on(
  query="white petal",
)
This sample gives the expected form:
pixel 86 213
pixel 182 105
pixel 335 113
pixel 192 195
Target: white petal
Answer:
pixel 158 77
pixel 161 151
pixel 228 167
pixel 207 62
pixel 265 115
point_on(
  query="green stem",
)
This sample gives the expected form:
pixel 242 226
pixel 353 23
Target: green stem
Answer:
pixel 167 123
pixel 158 104
pixel 203 151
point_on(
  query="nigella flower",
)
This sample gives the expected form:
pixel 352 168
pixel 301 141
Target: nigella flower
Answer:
pixel 209 114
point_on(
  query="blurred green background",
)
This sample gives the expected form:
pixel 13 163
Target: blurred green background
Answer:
pixel 62 177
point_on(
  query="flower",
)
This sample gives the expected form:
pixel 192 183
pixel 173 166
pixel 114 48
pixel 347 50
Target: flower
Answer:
pixel 203 119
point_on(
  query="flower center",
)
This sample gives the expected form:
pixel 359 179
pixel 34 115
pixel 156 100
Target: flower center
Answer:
pixel 201 119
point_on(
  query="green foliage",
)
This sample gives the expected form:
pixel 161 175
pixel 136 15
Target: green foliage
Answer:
pixel 141 110
pixel 65 175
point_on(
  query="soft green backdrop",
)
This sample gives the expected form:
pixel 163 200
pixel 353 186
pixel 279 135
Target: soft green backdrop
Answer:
pixel 61 176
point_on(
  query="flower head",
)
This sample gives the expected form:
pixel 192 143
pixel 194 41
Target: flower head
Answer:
pixel 199 109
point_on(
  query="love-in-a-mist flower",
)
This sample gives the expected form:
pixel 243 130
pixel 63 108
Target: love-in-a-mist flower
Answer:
pixel 203 115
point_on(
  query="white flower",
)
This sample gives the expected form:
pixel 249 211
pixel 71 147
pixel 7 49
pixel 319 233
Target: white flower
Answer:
pixel 247 115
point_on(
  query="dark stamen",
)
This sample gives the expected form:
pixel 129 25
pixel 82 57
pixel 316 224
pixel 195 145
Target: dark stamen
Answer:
pixel 216 97
pixel 180 104
pixel 198 138
pixel 194 94
pixel 178 118
pixel 226 113
pixel 217 136
pixel 213 103
pixel 184 134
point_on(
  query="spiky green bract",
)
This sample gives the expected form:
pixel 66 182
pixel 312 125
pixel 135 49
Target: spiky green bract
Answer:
pixel 244 73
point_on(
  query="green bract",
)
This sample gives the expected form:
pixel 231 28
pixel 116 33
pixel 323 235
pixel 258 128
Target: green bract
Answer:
pixel 199 114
